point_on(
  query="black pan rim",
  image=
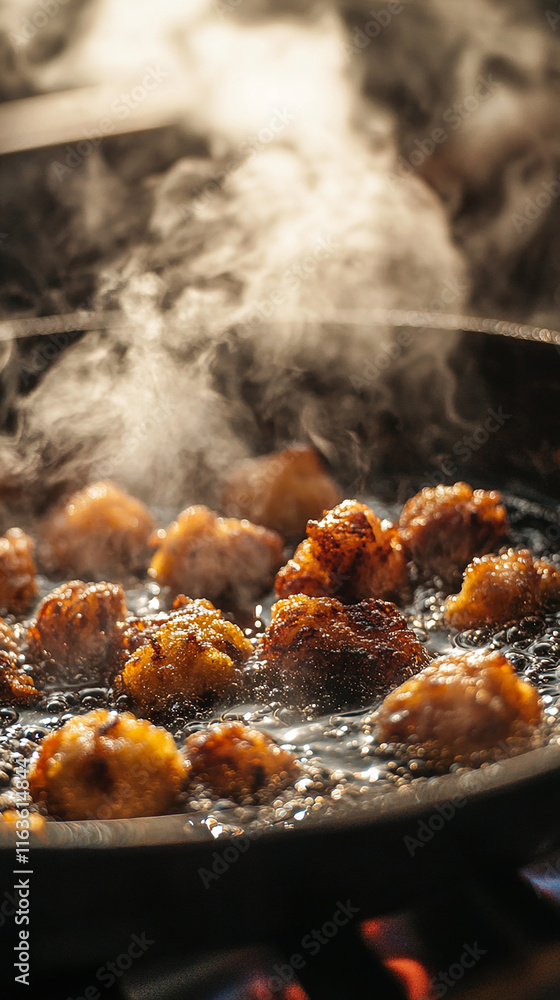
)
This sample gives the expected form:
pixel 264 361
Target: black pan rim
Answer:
pixel 510 778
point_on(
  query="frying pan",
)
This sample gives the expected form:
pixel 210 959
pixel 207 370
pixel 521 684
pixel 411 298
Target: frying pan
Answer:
pixel 94 883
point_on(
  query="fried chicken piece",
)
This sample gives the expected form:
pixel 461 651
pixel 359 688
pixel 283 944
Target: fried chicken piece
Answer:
pixel 236 761
pixel 100 531
pixel 191 657
pixel 461 703
pixel 444 527
pixel 107 766
pixel 204 555
pixel 321 648
pixel 16 686
pixel 18 587
pixel 281 491
pixel 499 589
pixel 350 554
pixel 76 623
pixel 132 633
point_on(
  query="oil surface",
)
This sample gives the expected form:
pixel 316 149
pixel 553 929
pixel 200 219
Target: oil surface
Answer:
pixel 341 759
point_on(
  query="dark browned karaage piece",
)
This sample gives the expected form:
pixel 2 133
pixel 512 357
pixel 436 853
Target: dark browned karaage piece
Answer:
pixel 444 527
pixel 222 559
pixel 192 657
pixel 462 702
pixel 502 588
pixel 320 648
pixel 105 765
pixel 99 531
pixel 350 554
pixel 238 761
pixel 75 625
pixel 281 491
pixel 16 686
pixel 18 587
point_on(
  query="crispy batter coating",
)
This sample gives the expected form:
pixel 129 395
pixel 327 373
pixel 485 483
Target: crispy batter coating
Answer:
pixel 204 555
pixel 100 530
pixel 281 491
pixel 107 766
pixel 76 623
pixel 191 657
pixel 499 589
pixel 236 760
pixel 444 527
pixel 17 572
pixel 133 633
pixel 16 686
pixel 322 648
pixel 130 634
pixel 350 554
pixel 461 703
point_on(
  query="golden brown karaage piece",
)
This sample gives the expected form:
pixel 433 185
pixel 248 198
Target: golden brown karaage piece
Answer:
pixel 502 588
pixel 281 491
pixel 107 766
pixel 18 587
pixel 444 527
pixel 192 658
pixel 76 624
pixel 350 554
pixel 321 648
pixel 236 761
pixel 99 531
pixel 461 703
pixel 16 686
pixel 222 559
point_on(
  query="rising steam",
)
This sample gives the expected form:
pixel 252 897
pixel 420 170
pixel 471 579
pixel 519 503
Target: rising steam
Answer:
pixel 228 344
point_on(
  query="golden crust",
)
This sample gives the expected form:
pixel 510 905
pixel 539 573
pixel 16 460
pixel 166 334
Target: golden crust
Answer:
pixel 320 647
pixel 107 766
pixel 499 589
pixel 219 558
pixel 100 530
pixel 192 656
pixel 281 491
pixel 350 554
pixel 461 703
pixel 444 527
pixel 76 623
pixel 18 587
pixel 236 761
pixel 16 686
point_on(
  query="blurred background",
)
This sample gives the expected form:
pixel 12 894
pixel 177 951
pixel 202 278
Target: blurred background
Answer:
pixel 227 182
